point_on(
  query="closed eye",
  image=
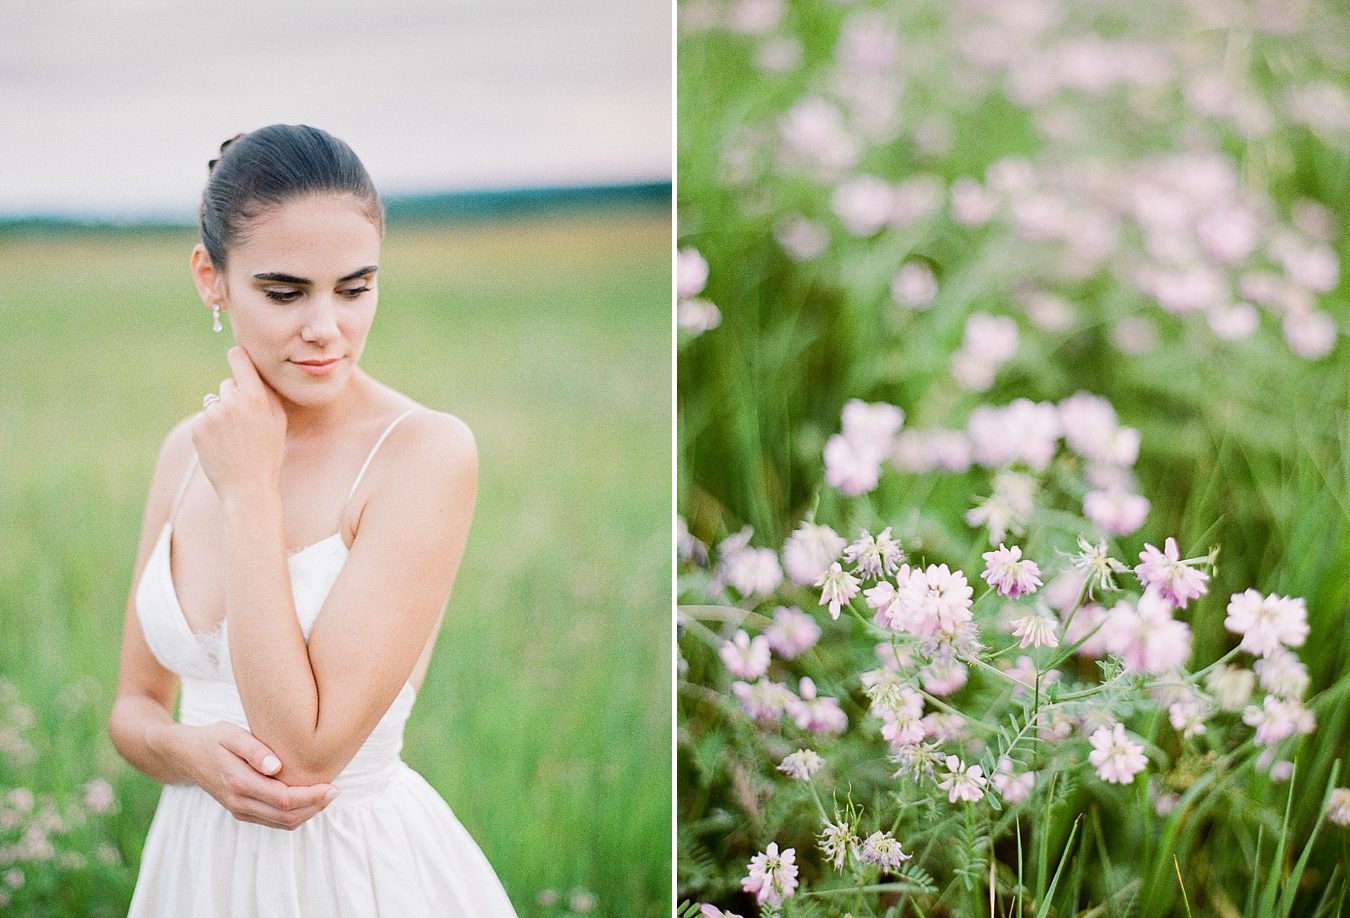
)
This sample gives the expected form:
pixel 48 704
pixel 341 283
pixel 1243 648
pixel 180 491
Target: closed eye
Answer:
pixel 282 296
pixel 354 292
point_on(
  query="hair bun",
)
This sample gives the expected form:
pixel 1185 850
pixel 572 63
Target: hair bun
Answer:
pixel 211 164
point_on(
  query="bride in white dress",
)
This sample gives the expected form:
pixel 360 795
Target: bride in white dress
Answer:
pixel 299 623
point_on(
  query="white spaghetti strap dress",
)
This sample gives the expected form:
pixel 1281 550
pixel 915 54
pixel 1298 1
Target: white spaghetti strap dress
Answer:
pixel 389 846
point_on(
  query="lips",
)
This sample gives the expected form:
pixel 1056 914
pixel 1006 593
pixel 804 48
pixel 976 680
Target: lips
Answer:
pixel 321 367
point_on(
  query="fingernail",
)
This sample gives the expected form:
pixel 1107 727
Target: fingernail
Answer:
pixel 332 795
pixel 271 764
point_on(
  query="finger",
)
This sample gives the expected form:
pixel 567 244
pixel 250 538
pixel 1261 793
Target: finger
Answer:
pixel 245 373
pixel 286 798
pixel 227 387
pixel 252 750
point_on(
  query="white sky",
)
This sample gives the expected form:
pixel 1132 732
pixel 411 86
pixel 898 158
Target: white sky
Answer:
pixel 113 107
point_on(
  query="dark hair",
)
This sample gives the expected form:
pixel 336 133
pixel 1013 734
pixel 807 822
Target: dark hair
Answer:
pixel 267 167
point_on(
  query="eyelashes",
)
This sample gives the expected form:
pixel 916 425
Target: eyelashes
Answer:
pixel 286 296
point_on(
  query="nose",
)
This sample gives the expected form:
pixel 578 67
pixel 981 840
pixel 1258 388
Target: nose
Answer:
pixel 320 319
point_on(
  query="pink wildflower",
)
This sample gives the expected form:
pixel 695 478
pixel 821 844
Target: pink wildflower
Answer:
pixel 1146 636
pixel 1035 631
pixel 875 557
pixel 963 782
pixel 712 911
pixel 838 586
pixel 1116 758
pixel 1175 580
pixel 773 876
pixel 745 658
pixel 819 715
pixel 1006 571
pixel 808 552
pixel 1278 719
pixel 931 601
pixel 1013 788
pixel 1117 512
pixel 1267 622
pixel 882 849
pixel 792 633
pixel 852 468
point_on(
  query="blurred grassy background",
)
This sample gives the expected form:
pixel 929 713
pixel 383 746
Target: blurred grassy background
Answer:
pixel 545 716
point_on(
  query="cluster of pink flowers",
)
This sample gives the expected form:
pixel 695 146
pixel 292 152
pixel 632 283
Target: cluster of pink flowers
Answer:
pixel 693 314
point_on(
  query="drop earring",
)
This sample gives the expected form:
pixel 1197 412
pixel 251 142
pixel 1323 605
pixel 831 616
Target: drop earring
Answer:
pixel 215 318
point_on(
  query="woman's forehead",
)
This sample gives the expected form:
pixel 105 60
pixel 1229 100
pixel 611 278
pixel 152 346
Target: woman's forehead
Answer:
pixel 316 237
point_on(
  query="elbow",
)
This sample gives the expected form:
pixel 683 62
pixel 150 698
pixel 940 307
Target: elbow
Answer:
pixel 312 762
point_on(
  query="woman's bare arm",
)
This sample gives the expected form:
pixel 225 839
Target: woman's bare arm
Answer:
pixel 316 703
pixel 228 762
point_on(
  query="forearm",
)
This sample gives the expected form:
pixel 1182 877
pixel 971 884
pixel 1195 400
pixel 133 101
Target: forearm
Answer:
pixel 268 654
pixel 148 737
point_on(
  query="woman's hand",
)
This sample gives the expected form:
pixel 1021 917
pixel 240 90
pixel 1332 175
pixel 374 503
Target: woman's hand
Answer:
pixel 241 438
pixel 232 765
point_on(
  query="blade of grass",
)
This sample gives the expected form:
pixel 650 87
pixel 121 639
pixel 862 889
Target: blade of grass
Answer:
pixel 1044 910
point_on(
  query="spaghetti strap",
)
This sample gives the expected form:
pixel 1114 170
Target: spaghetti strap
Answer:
pixel 371 454
pixel 182 486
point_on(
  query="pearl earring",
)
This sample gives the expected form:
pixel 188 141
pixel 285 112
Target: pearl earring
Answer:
pixel 215 318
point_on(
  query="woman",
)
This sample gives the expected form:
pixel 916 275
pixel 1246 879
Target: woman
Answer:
pixel 299 622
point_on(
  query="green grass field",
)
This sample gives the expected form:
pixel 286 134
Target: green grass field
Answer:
pixel 545 717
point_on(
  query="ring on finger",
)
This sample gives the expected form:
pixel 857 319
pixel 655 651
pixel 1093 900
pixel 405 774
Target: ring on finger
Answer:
pixel 209 399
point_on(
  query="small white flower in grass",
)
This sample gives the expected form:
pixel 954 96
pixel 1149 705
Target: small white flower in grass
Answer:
pixel 838 586
pixel 691 273
pixel 914 286
pixel 1231 686
pixel 1266 622
pixel 792 633
pixel 836 840
pixel 918 762
pixel 1173 579
pixel 1115 756
pixel 744 657
pixel 1281 771
pixel 98 797
pixel 882 849
pixel 697 316
pixel 853 468
pixel 1006 571
pixel 1338 807
pixel 1098 566
pixel 801 764
pixel 872 425
pixel 773 876
pixel 808 552
pixel 1282 673
pixel 962 781
pixel 1013 787
pixel 875 557
pixel 1188 717
pixel 1035 631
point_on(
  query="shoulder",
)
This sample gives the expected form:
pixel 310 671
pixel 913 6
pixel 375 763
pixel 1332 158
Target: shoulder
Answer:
pixel 175 452
pixel 434 449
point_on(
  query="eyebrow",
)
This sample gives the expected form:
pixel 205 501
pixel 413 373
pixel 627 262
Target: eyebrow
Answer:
pixel 305 281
